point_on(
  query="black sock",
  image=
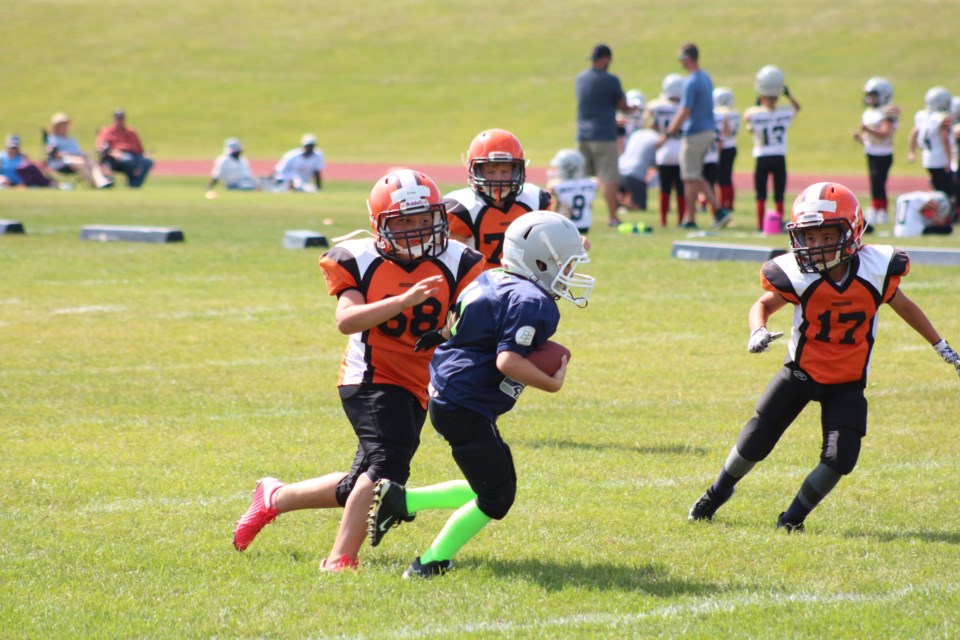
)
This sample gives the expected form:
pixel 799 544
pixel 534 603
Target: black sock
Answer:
pixel 723 487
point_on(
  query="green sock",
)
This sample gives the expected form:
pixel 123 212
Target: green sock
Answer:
pixel 446 495
pixel 465 523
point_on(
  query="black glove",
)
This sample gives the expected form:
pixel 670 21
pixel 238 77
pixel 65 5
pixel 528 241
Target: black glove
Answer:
pixel 429 340
pixel 786 91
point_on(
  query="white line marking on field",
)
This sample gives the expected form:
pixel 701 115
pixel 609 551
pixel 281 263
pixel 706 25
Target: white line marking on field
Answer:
pixel 698 606
pixel 93 308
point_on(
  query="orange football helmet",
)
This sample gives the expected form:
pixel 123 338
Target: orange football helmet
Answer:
pixel 405 192
pixel 822 205
pixel 490 147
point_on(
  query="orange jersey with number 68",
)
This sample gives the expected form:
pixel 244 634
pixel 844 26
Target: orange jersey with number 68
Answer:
pixel 384 354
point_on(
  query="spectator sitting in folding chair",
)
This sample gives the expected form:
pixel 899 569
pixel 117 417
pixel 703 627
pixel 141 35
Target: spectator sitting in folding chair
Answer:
pixel 121 150
pixel 16 170
pixel 65 156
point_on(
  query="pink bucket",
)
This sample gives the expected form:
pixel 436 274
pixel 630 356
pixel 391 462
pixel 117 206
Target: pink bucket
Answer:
pixel 772 223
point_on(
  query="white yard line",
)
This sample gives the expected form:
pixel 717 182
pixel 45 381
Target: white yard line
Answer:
pixel 698 606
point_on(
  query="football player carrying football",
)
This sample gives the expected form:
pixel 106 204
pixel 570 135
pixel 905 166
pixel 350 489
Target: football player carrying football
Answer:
pixel 391 289
pixel 477 375
pixel 836 286
pixel 498 194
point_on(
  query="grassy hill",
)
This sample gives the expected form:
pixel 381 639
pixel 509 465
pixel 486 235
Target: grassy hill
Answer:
pixel 414 80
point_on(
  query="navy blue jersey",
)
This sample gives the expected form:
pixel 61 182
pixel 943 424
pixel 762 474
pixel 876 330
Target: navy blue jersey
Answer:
pixel 497 312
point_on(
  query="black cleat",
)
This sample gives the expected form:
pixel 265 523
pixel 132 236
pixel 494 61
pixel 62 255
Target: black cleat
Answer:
pixel 705 507
pixel 427 571
pixel 388 510
pixel 789 527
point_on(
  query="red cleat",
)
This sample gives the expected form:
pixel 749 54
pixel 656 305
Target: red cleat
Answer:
pixel 344 563
pixel 258 515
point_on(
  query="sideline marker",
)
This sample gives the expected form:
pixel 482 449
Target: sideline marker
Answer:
pixel 304 239
pixel 11 226
pixel 119 233
pixel 716 251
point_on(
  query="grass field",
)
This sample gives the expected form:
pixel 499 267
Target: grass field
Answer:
pixel 145 388
pixel 416 81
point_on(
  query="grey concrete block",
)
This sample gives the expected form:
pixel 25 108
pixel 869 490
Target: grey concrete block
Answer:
pixel 120 233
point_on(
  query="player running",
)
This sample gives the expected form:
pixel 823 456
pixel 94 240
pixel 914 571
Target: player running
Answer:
pixel 391 289
pixel 836 286
pixel 477 376
pixel 498 194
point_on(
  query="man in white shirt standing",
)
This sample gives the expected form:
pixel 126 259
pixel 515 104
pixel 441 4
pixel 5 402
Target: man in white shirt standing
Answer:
pixel 301 169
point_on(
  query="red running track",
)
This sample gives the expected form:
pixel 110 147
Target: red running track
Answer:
pixel 369 172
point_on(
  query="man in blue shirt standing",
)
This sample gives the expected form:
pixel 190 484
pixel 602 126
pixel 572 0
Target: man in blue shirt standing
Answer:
pixel 696 124
pixel 599 96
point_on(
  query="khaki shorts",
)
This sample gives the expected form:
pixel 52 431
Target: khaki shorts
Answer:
pixel 601 157
pixel 693 149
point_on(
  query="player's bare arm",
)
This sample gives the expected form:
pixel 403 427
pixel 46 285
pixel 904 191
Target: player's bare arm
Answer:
pixel 914 316
pixel 765 306
pixel 912 145
pixel 917 319
pixel 516 367
pixel 355 314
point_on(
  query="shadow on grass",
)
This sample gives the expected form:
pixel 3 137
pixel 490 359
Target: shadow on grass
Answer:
pixel 950 537
pixel 559 576
pixel 671 449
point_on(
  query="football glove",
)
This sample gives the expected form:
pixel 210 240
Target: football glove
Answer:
pixel 429 340
pixel 760 340
pixel 948 354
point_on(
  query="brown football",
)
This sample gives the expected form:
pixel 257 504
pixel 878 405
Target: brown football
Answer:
pixel 547 357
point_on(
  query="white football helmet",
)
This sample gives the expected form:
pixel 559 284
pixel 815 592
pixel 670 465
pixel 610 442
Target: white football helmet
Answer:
pixel 722 97
pixel 636 99
pixel 879 87
pixel 569 164
pixel 955 108
pixel 545 247
pixel 937 99
pixel 769 81
pixel 672 87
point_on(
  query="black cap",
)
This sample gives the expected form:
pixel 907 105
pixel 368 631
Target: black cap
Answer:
pixel 601 51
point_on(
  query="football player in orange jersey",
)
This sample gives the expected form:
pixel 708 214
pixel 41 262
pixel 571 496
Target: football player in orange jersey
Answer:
pixel 391 289
pixel 498 194
pixel 837 286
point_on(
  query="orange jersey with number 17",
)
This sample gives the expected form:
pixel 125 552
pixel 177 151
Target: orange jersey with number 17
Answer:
pixel 384 354
pixel 834 324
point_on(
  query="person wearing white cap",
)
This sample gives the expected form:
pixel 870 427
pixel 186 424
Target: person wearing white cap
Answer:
pixel 65 156
pixel 301 169
pixel 232 169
